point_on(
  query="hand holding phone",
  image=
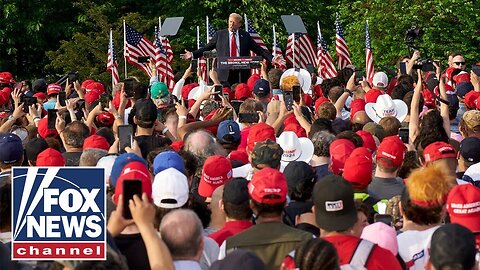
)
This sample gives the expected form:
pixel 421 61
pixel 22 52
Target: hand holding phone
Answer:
pixel 62 97
pixel 125 137
pixel 288 98
pixel 403 133
pixel 51 118
pixel 297 96
pixel 128 88
pixel 130 188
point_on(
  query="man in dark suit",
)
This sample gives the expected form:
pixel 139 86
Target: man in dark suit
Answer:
pixel 233 42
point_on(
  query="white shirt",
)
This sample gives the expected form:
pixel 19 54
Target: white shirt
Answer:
pixel 413 247
pixel 237 41
pixel 186 265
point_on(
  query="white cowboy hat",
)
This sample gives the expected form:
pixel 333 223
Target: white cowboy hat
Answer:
pixel 294 148
pixel 385 106
pixel 303 78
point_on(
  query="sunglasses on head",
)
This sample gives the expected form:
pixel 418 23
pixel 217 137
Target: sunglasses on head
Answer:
pixel 459 63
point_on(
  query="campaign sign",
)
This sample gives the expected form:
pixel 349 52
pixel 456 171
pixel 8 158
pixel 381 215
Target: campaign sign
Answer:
pixel 58 213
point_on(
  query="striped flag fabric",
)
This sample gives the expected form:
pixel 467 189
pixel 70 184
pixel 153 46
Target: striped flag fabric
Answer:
pixel 162 63
pixel 304 51
pixel 112 65
pixel 276 51
pixel 343 56
pixel 210 31
pixel 369 69
pixel 202 62
pixel 326 67
pixel 137 45
pixel 257 38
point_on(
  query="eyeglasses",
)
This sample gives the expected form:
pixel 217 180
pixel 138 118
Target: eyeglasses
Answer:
pixel 459 63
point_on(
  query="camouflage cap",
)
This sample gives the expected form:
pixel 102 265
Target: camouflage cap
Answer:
pixel 266 154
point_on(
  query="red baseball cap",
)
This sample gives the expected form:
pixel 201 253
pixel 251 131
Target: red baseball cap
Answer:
pixel 43 129
pixel 448 73
pixel 216 171
pixel 177 145
pixel 438 150
pixel 392 149
pixel 227 90
pixel 134 170
pixel 187 88
pixel 242 91
pixel 319 102
pixel 372 95
pixel 307 99
pixel 463 206
pixel 317 89
pixel 259 133
pixel 429 98
pixel 86 83
pixel 40 95
pixel 96 141
pixel 368 140
pixel 340 150
pixel 50 157
pixel 91 97
pixel 53 88
pixel 267 182
pixel 358 168
pixel 477 103
pixel 357 105
pixel 297 129
pixel 462 77
pixel 116 101
pixel 470 98
pixel 239 155
pixel 106 118
pixel 96 87
pixel 252 80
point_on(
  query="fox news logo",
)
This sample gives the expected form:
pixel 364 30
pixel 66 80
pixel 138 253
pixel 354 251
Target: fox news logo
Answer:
pixel 58 214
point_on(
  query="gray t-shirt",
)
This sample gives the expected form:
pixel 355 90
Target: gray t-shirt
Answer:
pixel 386 188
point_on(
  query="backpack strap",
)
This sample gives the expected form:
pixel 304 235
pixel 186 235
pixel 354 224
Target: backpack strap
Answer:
pixel 362 253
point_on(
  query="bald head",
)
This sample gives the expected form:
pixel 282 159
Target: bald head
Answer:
pixel 200 143
pixel 181 230
pixel 361 117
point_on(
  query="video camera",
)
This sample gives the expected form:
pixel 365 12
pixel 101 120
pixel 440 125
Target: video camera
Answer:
pixel 412 36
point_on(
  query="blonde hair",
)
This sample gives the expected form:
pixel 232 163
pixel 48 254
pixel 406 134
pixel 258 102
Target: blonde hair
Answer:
pixel 430 184
pixel 289 81
pixel 236 16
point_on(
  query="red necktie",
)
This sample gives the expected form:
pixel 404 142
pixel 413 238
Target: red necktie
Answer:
pixel 233 46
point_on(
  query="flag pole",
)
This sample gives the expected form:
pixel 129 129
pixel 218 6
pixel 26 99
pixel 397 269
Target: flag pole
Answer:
pixel 208 39
pixel 111 48
pixel 274 42
pixel 125 46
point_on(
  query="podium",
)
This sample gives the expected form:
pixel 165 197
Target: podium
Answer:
pixel 239 62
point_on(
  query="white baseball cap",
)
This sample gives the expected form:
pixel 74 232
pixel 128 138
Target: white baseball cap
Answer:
pixel 380 79
pixel 170 189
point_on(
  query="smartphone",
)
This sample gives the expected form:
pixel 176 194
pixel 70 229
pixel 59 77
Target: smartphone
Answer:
pixel 358 76
pixel 310 68
pixel 128 88
pixel 27 102
pixel 403 134
pixel 403 68
pixel 62 97
pixel 288 98
pixel 105 100
pixel 194 65
pixel 236 105
pixel 130 188
pixel 248 117
pixel 218 91
pixel 297 96
pixel 81 104
pixel 52 118
pixel 387 219
pixel 143 59
pixel 72 77
pixel 125 137
pixel 226 96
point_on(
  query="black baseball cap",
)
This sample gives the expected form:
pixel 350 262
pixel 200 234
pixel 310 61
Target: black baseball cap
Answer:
pixel 145 110
pixel 300 175
pixel 334 204
pixel 452 244
pixel 236 191
pixel 470 149
pixel 35 147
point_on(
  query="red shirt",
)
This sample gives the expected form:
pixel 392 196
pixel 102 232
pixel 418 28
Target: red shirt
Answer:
pixel 243 138
pixel 380 258
pixel 230 228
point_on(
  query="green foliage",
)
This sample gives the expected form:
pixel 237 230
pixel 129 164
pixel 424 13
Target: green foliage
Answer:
pixel 51 38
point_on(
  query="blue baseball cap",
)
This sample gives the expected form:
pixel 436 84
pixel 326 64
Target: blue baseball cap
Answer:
pixel 12 148
pixel 261 88
pixel 228 132
pixel 121 161
pixel 168 159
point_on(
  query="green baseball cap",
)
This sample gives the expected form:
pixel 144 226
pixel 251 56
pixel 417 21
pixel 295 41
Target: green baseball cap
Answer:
pixel 158 90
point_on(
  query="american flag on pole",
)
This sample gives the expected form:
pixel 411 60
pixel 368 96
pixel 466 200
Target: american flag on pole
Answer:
pixel 341 46
pixel 112 65
pixel 369 70
pixel 326 67
pixel 202 62
pixel 162 63
pixel 136 45
pixel 276 51
pixel 303 48
pixel 257 38
pixel 210 31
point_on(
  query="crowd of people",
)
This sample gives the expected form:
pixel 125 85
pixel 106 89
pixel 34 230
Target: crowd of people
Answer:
pixel 351 174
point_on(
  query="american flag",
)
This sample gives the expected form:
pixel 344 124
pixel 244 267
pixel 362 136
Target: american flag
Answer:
pixel 136 45
pixel 326 68
pixel 112 65
pixel 162 62
pixel 277 51
pixel 304 51
pixel 202 62
pixel 370 70
pixel 341 46
pixel 210 31
pixel 257 38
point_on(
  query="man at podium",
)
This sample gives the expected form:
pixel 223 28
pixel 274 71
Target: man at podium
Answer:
pixel 233 42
